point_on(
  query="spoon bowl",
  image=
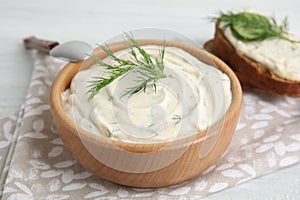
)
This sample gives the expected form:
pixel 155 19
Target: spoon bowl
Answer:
pixel 72 51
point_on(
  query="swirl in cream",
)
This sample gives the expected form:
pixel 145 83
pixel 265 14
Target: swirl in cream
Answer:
pixel 192 97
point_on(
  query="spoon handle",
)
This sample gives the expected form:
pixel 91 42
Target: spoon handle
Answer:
pixel 39 44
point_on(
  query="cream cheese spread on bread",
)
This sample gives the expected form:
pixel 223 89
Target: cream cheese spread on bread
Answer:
pixel 282 57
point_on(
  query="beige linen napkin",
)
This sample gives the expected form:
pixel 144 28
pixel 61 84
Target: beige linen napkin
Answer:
pixel 8 126
pixel 39 167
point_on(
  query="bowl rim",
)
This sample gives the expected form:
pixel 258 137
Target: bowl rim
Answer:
pixel 62 82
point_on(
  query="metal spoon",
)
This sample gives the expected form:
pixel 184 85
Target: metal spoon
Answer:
pixel 72 51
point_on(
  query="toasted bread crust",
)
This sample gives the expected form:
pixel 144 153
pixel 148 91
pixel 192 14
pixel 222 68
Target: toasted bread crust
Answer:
pixel 248 71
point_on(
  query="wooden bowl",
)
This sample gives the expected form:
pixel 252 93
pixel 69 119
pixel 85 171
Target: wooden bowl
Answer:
pixel 146 165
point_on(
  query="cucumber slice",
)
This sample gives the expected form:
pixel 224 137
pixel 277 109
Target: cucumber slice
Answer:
pixel 251 27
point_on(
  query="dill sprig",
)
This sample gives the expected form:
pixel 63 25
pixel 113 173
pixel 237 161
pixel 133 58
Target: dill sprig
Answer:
pixel 149 69
pixel 249 27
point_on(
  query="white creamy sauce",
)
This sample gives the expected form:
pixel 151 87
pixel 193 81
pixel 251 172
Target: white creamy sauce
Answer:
pixel 282 57
pixel 192 97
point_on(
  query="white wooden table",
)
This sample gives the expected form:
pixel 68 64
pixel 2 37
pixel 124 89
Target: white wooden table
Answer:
pixel 94 21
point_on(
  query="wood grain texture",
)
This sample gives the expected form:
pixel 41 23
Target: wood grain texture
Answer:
pixel 82 144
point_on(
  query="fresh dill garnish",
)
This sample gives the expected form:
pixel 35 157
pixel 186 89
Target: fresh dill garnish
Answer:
pixel 250 27
pixel 177 119
pixel 149 69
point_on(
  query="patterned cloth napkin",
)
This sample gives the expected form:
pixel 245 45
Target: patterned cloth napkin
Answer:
pixel 34 163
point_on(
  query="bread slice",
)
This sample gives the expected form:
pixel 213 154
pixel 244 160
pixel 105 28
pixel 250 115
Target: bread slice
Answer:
pixel 248 71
